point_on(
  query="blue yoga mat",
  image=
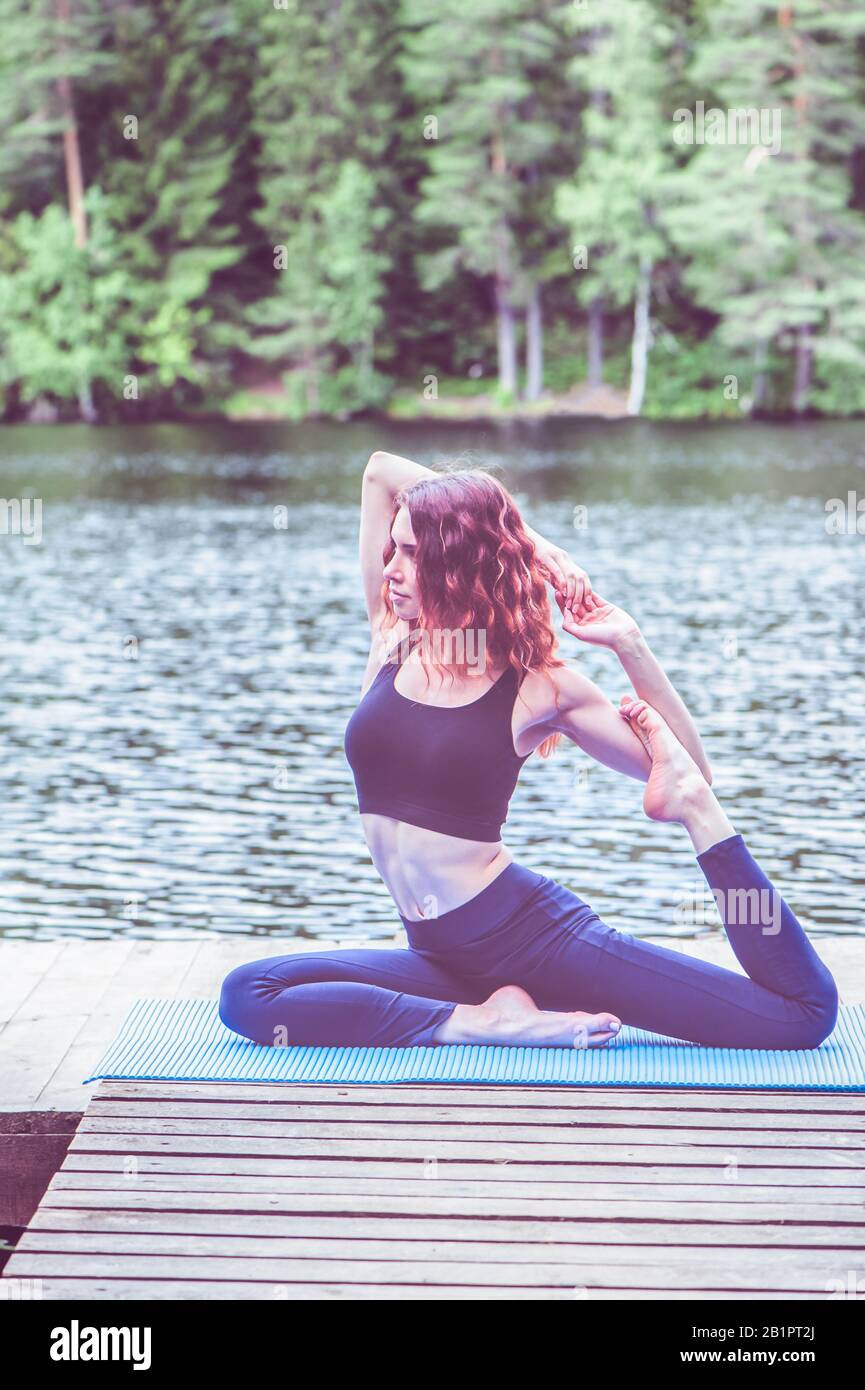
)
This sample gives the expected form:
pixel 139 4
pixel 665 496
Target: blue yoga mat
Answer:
pixel 185 1040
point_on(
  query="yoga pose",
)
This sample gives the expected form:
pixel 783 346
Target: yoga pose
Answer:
pixel 462 686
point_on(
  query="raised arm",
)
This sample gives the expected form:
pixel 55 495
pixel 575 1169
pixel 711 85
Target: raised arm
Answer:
pixel 602 623
pixel 385 474
pixel 392 472
pixel 653 685
pixel 383 477
pixel 589 720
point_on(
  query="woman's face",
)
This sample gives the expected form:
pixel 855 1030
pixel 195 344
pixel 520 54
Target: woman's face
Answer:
pixel 400 571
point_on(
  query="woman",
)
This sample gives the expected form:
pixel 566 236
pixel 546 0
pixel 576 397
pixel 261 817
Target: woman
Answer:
pixel 497 952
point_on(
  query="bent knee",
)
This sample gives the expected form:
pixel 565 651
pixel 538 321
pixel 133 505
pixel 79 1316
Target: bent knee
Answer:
pixel 822 1015
pixel 238 996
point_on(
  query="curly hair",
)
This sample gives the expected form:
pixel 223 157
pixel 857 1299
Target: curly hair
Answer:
pixel 477 570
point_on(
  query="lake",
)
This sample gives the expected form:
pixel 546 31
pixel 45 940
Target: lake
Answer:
pixel 178 670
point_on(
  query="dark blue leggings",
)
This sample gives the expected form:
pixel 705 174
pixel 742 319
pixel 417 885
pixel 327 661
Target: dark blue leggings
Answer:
pixel 526 929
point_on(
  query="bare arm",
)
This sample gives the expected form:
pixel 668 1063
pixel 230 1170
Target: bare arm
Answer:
pixel 594 724
pixel 652 684
pixel 392 472
pixel 605 624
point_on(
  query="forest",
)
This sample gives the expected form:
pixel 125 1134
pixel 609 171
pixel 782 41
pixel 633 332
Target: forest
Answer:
pixel 268 208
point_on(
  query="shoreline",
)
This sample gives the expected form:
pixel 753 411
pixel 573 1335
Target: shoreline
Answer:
pixel 607 404
pixel 477 417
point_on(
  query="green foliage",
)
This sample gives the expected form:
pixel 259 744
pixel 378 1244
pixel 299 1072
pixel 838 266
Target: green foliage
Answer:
pixel 685 381
pixel 768 240
pixel 496 115
pixel 38 50
pixel 611 207
pixel 327 91
pixel 308 207
pixel 62 308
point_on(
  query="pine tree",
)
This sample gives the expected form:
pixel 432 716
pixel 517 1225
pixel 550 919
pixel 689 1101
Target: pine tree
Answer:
pixel 64 308
pixel 498 119
pixel 172 143
pixel 770 240
pixel 51 54
pixel 170 178
pixel 325 101
pixel 612 206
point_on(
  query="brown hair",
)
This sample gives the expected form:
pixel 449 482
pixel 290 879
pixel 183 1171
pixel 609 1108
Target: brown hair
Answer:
pixel 477 569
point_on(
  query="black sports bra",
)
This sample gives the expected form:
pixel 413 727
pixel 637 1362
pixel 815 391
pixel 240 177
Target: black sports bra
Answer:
pixel 453 770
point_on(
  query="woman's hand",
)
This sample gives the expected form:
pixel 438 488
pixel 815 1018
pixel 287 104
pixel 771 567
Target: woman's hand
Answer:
pixel 570 582
pixel 597 621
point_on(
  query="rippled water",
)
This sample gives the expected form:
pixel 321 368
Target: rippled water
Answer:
pixel 178 671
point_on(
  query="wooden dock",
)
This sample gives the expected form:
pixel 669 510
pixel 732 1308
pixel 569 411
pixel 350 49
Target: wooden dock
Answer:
pixel 187 1191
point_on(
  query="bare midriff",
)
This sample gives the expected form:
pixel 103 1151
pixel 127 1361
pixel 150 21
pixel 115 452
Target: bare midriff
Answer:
pixel 427 873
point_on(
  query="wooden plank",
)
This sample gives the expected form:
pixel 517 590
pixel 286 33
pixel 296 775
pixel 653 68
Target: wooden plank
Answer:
pixel 813 1271
pixel 825 1159
pixel 191 1290
pixel 707 1119
pixel 576 1174
pixel 534 1097
pixel 154 1248
pixel 642 1206
pixel 48 1227
pixel 619 1200
pixel 143 1128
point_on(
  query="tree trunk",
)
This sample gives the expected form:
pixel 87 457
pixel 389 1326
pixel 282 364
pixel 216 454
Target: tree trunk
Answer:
pixel 534 345
pixel 311 381
pixel 86 408
pixel 758 395
pixel 596 342
pixel 506 337
pixel 804 357
pixel 71 148
pixel 363 354
pixel 505 328
pixel 640 340
pixel 74 188
pixel 598 99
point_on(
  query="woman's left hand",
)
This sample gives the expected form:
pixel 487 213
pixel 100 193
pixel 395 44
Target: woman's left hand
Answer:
pixel 570 582
pixel 597 621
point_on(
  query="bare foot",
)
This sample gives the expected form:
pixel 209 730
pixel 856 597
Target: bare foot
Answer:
pixel 675 780
pixel 510 1015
